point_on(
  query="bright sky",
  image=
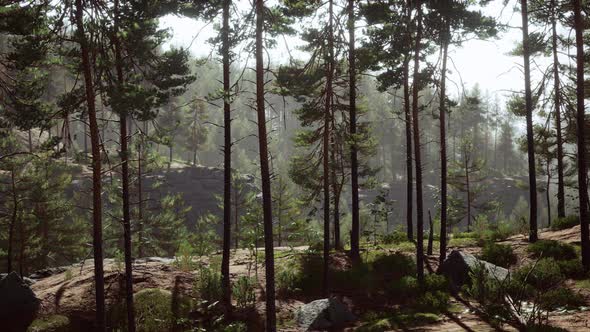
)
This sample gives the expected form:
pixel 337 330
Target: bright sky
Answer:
pixel 486 63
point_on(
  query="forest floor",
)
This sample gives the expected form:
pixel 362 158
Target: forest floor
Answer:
pixel 71 293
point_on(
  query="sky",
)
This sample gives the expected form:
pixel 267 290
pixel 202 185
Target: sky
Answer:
pixel 486 63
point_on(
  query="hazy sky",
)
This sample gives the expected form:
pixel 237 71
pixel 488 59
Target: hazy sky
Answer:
pixel 477 62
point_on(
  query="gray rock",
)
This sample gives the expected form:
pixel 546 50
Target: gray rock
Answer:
pixel 18 304
pixel 458 265
pixel 48 272
pixel 28 281
pixel 323 314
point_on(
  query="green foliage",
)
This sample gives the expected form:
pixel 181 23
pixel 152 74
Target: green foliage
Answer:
pixel 552 249
pixel 158 310
pixel 498 254
pixel 393 266
pixel 572 268
pixel 205 237
pixel 184 257
pixel 431 296
pixel 53 323
pixel 286 281
pixel 208 285
pixel 564 223
pixel 244 292
pixel 395 237
pixel 530 291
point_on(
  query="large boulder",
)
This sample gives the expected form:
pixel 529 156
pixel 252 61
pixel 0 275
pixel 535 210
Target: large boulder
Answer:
pixel 323 314
pixel 458 266
pixel 18 304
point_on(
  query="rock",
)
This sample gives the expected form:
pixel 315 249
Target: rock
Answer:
pixel 28 281
pixel 458 265
pixel 48 272
pixel 323 314
pixel 18 304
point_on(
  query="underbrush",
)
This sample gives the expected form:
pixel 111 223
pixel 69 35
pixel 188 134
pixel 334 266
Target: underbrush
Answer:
pixel 552 249
pixel 526 296
pixel 498 254
pixel 389 277
pixel 564 223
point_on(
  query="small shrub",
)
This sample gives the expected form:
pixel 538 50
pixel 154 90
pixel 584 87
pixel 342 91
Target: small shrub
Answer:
pixel 406 288
pixel 498 254
pixel 184 257
pixel 394 266
pixel 572 268
pixel 465 235
pixel 395 237
pixel 244 292
pixel 560 298
pixel 286 282
pixel 68 275
pixel 542 275
pixel 235 327
pixel 311 268
pixel 552 249
pixel 565 222
pixel 156 310
pixel 208 285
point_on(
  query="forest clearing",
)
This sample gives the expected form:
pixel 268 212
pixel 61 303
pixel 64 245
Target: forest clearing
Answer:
pixel 294 165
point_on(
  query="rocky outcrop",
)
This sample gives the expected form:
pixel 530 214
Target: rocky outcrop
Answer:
pixel 18 304
pixel 323 314
pixel 458 266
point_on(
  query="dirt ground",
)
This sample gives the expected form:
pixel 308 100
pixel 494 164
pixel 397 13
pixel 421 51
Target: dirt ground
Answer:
pixel 71 293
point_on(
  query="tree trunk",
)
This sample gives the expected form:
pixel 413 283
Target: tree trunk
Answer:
pixel 335 185
pixel 443 148
pixel 12 222
pixel 529 125
pixel 468 188
pixel 580 131
pixel 547 192
pixel 265 173
pixel 124 180
pixel 557 92
pixel 417 156
pixel 226 284
pixel 409 158
pixel 96 170
pixel 354 179
pixel 326 147
pixel 430 234
pixel 140 199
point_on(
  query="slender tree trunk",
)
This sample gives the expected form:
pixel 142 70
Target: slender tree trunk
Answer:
pixel 326 148
pixel 236 219
pixel 335 185
pixel 557 92
pixel 96 170
pixel 226 285
pixel 468 188
pixel 417 156
pixel 443 149
pixel 581 132
pixel 140 199
pixel 124 181
pixel 13 221
pixel 265 173
pixel 430 234
pixel 547 192
pixel 354 179
pixel 529 125
pixel 409 158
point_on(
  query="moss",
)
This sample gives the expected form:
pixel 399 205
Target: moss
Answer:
pixel 53 323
